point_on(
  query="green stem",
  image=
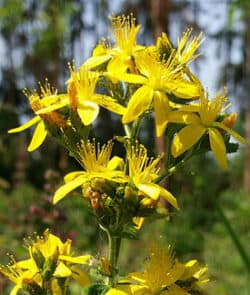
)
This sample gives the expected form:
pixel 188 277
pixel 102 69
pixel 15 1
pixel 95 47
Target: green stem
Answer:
pixel 127 130
pixel 135 129
pixel 171 170
pixel 243 254
pixel 114 244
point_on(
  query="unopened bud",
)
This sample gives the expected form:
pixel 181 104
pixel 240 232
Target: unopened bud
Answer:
pixel 230 120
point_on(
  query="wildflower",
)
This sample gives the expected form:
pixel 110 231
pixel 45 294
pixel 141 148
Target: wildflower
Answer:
pixel 97 164
pixel 52 248
pixel 120 56
pixel 83 99
pixel 143 171
pixel 205 121
pixel 22 278
pixel 47 99
pixel 158 78
pixel 160 275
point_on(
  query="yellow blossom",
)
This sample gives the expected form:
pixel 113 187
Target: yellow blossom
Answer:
pixel 205 121
pixel 143 171
pixel 161 272
pixel 97 164
pixel 20 277
pixel 83 99
pixel 47 99
pixel 50 248
pixel 120 56
pixel 158 79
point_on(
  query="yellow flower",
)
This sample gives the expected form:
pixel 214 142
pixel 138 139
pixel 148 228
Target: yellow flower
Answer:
pixel 208 112
pixel 160 275
pixel 120 56
pixel 49 248
pixel 158 78
pixel 47 99
pixel 186 49
pixel 143 171
pixel 82 98
pixel 97 164
pixel 20 277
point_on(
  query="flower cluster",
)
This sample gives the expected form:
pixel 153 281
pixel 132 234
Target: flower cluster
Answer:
pixel 49 267
pixel 133 82
pixel 163 274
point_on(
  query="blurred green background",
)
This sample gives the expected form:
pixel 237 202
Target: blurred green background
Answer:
pixel 37 39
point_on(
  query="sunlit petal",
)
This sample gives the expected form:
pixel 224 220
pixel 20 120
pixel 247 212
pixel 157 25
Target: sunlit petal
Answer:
pixel 95 61
pixel 39 136
pixel 108 103
pixel 68 187
pixel 138 104
pixel 62 271
pixel 186 138
pixel 87 111
pixel 183 117
pixel 150 189
pixel 131 78
pixel 231 132
pixel 161 107
pixel 169 197
pixel 79 259
pixel 218 146
pixel 26 125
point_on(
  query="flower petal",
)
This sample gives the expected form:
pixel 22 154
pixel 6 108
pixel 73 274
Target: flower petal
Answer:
pixel 218 146
pixel 80 276
pixel 15 290
pixel 169 197
pixel 231 132
pixel 161 107
pixel 68 187
pixel 131 78
pixel 26 125
pixel 108 103
pixel 118 63
pixel 79 259
pixel 62 271
pixel 138 104
pixel 186 138
pixel 73 175
pixel 183 117
pixel 95 61
pixel 184 89
pixel 54 106
pixel 115 163
pixel 87 111
pixel 150 189
pixel 39 136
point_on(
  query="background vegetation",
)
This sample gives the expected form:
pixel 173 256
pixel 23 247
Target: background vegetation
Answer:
pixel 37 39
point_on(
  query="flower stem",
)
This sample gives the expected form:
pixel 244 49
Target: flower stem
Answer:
pixel 241 250
pixel 114 244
